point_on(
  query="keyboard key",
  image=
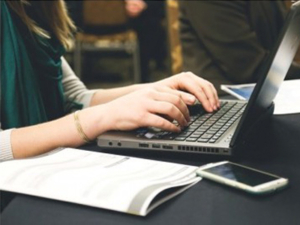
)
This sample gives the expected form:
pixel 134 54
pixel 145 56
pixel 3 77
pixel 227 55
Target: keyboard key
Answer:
pixel 195 135
pixel 190 139
pixel 180 138
pixel 206 136
pixel 202 140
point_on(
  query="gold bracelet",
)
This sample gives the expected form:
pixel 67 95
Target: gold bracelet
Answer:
pixel 79 128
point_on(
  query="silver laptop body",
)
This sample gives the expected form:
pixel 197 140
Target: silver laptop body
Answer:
pixel 244 119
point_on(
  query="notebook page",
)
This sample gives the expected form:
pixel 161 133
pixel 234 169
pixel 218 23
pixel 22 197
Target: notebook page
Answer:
pixel 94 179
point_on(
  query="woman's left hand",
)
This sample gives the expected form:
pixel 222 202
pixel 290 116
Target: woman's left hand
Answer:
pixel 202 89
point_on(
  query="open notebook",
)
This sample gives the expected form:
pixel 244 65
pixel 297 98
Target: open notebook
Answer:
pixel 120 183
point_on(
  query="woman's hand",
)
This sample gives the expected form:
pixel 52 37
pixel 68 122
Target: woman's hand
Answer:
pixel 156 104
pixel 203 90
pixel 156 107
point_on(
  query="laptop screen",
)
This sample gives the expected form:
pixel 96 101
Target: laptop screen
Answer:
pixel 271 74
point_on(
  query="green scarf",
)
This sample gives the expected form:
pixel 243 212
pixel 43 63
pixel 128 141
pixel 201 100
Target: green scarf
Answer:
pixel 31 74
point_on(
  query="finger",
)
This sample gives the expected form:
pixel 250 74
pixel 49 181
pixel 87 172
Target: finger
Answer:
pixel 201 96
pixel 196 90
pixel 199 87
pixel 206 87
pixel 175 99
pixel 215 94
pixel 168 109
pixel 187 98
pixel 153 120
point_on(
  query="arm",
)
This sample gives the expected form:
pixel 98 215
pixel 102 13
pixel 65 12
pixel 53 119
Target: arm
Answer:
pixel 5 145
pixel 75 90
pixel 139 107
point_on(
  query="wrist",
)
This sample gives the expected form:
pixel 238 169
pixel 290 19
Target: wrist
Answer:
pixel 136 87
pixel 79 129
pixel 94 121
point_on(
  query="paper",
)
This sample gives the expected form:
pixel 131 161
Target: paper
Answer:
pixel 287 100
pixel 120 183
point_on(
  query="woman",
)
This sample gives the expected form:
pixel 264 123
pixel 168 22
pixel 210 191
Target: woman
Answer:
pixel 39 89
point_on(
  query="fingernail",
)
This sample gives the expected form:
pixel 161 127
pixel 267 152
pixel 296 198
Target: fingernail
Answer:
pixel 185 123
pixel 196 102
pixel 192 100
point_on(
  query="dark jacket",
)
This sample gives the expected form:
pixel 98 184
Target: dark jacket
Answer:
pixel 225 42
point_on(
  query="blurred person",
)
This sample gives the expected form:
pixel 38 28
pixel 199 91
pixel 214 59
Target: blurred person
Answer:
pixel 226 42
pixel 146 19
pixel 39 91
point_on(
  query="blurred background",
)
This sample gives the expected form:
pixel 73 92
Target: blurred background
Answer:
pixel 121 42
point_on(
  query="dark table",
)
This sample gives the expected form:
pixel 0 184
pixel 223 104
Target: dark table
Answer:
pixel 275 149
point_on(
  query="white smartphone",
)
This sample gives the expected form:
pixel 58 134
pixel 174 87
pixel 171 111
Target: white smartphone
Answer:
pixel 242 177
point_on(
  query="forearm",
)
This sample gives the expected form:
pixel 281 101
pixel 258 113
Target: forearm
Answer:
pixel 39 139
pixel 75 90
pixel 106 95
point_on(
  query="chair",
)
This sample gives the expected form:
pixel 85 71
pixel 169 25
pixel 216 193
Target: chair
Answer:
pixel 175 56
pixel 105 25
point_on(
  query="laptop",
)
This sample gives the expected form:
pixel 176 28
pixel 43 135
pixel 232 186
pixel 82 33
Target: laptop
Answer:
pixel 223 131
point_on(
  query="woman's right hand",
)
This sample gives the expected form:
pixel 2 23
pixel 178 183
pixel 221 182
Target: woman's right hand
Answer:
pixel 155 107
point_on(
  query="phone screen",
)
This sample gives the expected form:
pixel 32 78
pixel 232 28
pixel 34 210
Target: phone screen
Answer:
pixel 240 174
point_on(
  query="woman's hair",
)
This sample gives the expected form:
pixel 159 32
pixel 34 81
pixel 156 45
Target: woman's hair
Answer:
pixel 54 13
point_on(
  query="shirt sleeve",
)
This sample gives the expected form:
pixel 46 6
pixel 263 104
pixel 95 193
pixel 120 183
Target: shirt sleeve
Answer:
pixel 5 146
pixel 74 89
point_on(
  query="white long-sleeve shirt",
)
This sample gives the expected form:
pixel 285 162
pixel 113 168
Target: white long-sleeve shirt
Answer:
pixel 74 90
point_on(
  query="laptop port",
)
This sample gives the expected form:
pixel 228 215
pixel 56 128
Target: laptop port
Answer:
pixel 156 146
pixel 143 145
pixel 167 147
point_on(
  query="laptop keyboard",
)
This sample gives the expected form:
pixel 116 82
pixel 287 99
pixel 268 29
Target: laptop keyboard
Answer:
pixel 204 127
pixel 209 127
